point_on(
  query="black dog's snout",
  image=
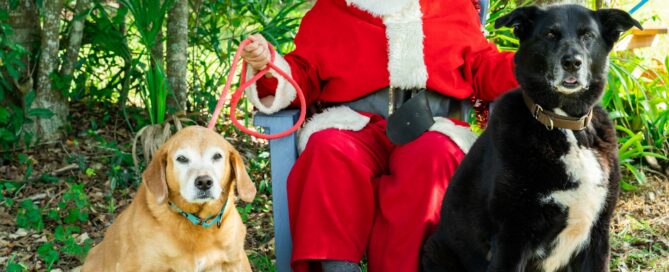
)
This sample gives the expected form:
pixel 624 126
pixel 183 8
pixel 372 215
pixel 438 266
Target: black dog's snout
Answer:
pixel 203 182
pixel 572 63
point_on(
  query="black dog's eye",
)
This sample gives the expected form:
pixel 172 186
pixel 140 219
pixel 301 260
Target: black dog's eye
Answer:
pixel 587 35
pixel 182 159
pixel 217 156
pixel 552 34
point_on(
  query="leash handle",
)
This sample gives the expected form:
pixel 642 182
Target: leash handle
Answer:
pixel 243 84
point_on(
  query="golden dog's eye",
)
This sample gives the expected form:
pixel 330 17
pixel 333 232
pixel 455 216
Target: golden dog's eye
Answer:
pixel 182 159
pixel 217 156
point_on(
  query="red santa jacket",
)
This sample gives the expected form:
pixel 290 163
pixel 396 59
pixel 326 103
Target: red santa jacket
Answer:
pixel 346 49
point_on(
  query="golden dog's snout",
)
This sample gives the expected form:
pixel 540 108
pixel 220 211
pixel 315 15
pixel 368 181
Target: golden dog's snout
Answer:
pixel 203 182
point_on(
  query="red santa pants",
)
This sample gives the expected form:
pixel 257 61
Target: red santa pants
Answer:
pixel 354 192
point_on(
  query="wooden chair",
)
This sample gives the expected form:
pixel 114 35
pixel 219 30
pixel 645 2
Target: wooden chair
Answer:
pixel 283 153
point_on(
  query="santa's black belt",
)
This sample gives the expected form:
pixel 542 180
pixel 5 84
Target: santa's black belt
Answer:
pixel 410 113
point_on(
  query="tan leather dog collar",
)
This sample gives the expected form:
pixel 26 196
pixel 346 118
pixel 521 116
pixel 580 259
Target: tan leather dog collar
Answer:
pixel 552 120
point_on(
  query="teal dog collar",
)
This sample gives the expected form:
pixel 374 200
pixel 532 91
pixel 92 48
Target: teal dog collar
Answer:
pixel 196 220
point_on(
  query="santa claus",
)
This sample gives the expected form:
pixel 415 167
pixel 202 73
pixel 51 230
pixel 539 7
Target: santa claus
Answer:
pixel 353 192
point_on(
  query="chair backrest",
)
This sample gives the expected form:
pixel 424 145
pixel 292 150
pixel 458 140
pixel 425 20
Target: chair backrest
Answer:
pixel 483 13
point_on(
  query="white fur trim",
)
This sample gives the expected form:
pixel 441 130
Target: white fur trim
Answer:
pixel 285 92
pixel 379 7
pixel 461 135
pixel 342 118
pixel 406 60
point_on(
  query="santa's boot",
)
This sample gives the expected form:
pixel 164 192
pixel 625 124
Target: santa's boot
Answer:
pixel 339 266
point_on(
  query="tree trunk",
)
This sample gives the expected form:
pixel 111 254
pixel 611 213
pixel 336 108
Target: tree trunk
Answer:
pixel 74 42
pixel 177 46
pixel 25 22
pixel 46 97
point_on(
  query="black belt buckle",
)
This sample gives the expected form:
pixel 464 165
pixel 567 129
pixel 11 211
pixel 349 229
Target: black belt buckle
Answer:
pixel 411 119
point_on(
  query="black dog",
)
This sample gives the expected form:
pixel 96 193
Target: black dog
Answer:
pixel 537 190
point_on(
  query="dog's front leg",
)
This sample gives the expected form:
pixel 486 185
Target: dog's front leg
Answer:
pixel 595 257
pixel 509 250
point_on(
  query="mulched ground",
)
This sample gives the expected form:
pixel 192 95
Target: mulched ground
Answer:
pixel 96 154
pixel 640 238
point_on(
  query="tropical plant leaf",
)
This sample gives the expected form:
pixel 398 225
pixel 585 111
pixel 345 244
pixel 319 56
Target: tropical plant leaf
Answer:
pixel 40 113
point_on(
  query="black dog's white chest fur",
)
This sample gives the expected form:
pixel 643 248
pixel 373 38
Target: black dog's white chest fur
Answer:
pixel 583 204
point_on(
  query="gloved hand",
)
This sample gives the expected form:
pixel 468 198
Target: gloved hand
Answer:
pixel 257 52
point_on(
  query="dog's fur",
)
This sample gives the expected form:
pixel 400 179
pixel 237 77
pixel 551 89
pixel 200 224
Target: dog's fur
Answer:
pixel 526 198
pixel 150 236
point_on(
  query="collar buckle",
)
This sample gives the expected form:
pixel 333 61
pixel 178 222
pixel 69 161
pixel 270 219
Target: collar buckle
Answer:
pixel 536 111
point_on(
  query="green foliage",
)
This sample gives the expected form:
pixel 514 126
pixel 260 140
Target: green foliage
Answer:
pixel 7 189
pixel 257 165
pixel 638 105
pixel 28 163
pixel 68 245
pixel 48 253
pixel 149 16
pixel 73 206
pixel 29 216
pixel 13 266
pixel 155 94
pixel 13 119
pixel 72 210
pixel 12 114
pixel 262 262
pixel 118 173
pixel 503 37
pixel 11 57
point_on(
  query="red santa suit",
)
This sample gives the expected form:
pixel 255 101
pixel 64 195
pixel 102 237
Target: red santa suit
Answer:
pixel 352 192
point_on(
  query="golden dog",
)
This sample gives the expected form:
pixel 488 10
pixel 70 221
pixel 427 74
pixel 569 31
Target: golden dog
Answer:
pixel 191 175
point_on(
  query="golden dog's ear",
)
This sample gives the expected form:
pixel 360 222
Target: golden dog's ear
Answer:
pixel 154 176
pixel 245 187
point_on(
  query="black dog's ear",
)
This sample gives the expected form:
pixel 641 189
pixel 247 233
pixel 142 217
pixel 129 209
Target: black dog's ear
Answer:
pixel 521 19
pixel 614 22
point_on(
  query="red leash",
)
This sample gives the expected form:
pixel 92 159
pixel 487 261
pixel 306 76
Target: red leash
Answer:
pixel 245 84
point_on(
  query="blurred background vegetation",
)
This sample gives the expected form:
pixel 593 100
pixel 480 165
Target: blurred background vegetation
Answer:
pixel 81 79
